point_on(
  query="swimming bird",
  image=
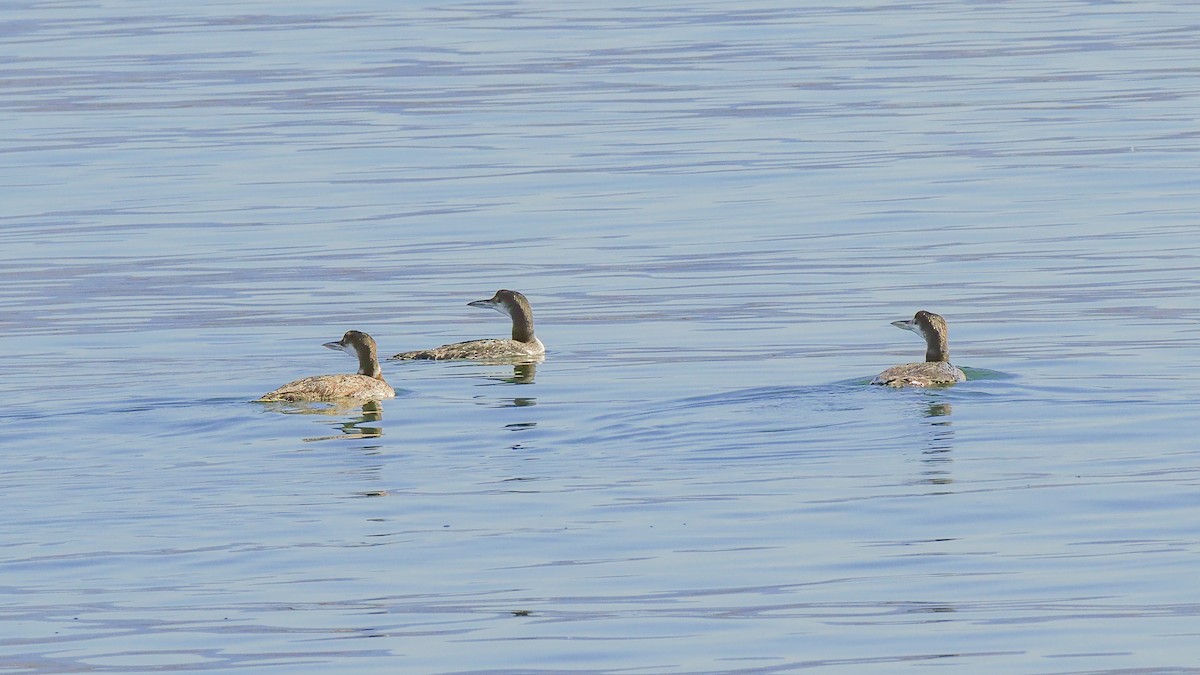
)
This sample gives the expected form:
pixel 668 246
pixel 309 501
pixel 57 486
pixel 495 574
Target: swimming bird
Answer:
pixel 936 370
pixel 367 384
pixel 524 344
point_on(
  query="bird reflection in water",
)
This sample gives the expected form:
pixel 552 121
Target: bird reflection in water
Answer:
pixel 522 373
pixel 361 412
pixel 371 411
pixel 939 443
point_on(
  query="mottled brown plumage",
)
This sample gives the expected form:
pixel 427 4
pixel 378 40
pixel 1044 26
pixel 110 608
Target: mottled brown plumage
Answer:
pixel 937 369
pixel 523 345
pixel 366 384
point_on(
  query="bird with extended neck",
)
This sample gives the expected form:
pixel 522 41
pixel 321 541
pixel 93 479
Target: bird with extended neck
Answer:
pixel 937 369
pixel 367 384
pixel 524 344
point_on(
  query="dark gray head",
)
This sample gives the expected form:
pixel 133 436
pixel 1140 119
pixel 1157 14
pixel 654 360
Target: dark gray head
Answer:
pixel 514 305
pixel 361 346
pixel 933 328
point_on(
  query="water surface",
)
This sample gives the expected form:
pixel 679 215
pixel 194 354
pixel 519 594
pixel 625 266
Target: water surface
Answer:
pixel 716 211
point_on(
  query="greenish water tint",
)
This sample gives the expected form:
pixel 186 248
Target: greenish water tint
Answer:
pixel 716 210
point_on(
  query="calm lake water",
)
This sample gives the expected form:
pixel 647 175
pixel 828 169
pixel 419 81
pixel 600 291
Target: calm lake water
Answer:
pixel 716 209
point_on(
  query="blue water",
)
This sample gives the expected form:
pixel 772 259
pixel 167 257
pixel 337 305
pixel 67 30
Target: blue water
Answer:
pixel 716 210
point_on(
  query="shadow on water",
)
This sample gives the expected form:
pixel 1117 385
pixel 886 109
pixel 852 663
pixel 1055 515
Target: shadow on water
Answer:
pixel 843 394
pixel 974 374
pixel 524 370
pixel 938 438
pixel 495 372
pixel 782 424
pixel 522 373
pixel 351 429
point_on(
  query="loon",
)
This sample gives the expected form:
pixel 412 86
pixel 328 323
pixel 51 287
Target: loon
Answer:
pixel 936 370
pixel 524 344
pixel 367 384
